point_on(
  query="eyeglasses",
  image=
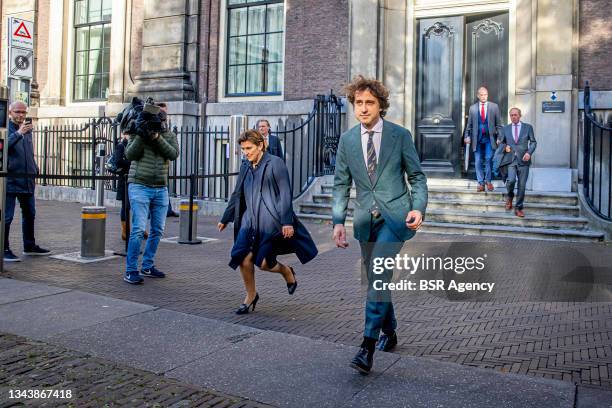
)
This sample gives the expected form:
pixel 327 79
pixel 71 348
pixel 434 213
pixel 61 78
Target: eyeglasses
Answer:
pixel 20 112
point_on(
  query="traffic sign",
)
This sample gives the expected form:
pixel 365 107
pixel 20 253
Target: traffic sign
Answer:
pixel 21 33
pixel 20 63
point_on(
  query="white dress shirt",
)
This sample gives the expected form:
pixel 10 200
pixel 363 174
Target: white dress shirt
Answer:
pixel 378 128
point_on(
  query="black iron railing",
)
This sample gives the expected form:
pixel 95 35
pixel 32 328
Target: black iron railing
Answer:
pixel 310 145
pixel 597 161
pixel 67 154
pixel 70 150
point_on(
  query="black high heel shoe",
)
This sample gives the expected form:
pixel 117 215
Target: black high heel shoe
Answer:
pixel 244 308
pixel 291 287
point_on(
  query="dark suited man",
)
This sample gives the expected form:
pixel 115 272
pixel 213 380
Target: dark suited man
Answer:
pixel 482 130
pixel 273 143
pixel 377 155
pixel 519 140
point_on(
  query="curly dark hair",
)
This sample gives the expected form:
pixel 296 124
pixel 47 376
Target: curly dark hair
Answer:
pixel 361 83
pixel 253 136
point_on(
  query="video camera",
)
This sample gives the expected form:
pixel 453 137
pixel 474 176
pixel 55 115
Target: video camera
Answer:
pixel 143 118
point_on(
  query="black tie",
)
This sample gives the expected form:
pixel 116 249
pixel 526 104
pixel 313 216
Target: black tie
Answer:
pixel 371 157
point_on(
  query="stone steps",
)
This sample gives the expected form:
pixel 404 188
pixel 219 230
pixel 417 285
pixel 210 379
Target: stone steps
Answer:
pixel 456 208
pixel 500 217
pixel 456 193
pixel 492 205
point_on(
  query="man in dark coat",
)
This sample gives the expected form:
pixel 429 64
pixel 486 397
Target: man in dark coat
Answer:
pixel 21 161
pixel 273 143
pixel 520 143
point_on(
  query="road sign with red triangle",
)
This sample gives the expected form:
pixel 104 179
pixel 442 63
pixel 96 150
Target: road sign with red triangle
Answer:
pixel 22 31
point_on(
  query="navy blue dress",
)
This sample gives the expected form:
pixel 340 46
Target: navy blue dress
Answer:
pixel 259 207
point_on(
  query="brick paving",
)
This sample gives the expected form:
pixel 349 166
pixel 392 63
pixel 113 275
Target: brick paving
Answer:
pixel 570 341
pixel 93 382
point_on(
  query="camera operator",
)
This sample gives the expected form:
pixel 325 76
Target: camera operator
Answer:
pixel 150 148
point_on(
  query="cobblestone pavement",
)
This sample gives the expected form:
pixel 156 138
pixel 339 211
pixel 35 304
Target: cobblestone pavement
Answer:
pixel 570 341
pixel 92 382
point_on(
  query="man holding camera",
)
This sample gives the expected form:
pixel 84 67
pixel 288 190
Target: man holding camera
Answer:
pixel 151 147
pixel 21 160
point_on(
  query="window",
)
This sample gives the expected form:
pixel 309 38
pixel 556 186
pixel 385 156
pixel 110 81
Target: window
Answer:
pixel 92 24
pixel 255 47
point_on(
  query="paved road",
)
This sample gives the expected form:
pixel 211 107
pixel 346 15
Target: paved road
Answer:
pixel 521 331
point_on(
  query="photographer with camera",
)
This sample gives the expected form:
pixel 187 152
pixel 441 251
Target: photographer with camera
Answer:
pixel 150 148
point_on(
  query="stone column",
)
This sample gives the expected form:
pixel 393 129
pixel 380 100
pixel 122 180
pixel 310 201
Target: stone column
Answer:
pixel 364 43
pixel 555 22
pixel 169 54
pixel 118 45
pixel 394 57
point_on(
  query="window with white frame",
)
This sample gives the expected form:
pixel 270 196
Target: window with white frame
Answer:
pixel 254 57
pixel 92 26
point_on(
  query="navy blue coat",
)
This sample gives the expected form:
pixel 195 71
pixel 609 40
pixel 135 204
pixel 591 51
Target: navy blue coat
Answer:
pixel 276 197
pixel 274 147
pixel 20 160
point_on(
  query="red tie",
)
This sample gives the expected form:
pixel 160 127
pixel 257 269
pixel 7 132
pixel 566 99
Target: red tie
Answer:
pixel 482 116
pixel 515 134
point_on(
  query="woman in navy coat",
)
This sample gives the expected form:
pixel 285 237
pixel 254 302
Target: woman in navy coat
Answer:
pixel 264 222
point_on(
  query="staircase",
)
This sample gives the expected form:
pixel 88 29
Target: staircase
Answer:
pixel 456 208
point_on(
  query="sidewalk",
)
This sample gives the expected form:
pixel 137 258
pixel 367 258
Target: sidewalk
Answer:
pixel 209 359
pixel 569 341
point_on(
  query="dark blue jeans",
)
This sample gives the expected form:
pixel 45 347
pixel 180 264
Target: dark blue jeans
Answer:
pixel 28 213
pixel 145 201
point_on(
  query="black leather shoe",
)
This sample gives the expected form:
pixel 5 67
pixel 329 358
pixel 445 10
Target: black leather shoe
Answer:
pixel 387 342
pixel 363 361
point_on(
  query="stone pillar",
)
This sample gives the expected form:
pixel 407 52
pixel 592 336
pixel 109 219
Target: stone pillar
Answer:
pixel 364 43
pixel 394 57
pixel 51 94
pixel 118 45
pixel 169 53
pixel 555 22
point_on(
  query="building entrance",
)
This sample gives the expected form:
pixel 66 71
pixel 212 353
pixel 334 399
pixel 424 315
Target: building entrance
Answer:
pixel 455 56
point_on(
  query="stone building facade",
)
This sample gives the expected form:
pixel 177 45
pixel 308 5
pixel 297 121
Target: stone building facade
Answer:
pixel 214 58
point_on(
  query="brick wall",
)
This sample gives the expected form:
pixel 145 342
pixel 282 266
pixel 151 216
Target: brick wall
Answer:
pixel 595 51
pixel 316 47
pixel 209 50
pixel 42 44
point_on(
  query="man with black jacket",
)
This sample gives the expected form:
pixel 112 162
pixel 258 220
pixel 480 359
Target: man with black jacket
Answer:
pixel 21 161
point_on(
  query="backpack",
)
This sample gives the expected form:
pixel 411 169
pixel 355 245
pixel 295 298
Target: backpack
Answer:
pixel 111 164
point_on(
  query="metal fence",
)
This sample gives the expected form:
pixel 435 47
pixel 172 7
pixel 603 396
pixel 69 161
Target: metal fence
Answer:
pixel 70 150
pixel 309 145
pixel 597 160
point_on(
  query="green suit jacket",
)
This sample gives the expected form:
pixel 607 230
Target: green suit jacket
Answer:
pixel 397 158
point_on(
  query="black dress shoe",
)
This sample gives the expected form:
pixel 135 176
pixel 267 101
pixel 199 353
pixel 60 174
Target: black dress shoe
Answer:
pixel 387 342
pixel 363 361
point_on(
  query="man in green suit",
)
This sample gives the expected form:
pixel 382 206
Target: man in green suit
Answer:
pixel 377 155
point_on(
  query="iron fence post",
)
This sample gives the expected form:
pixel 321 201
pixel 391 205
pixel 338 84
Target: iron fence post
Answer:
pixel 46 154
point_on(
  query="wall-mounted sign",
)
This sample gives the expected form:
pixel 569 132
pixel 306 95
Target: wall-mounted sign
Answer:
pixel 20 48
pixel 553 107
